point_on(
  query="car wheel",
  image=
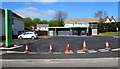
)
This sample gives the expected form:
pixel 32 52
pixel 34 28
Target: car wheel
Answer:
pixel 33 37
pixel 20 37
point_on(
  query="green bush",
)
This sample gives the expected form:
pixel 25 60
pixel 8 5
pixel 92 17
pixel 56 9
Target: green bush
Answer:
pixel 108 27
pixel 42 33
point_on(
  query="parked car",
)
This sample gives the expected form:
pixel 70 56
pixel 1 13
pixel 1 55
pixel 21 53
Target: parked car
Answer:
pixel 31 35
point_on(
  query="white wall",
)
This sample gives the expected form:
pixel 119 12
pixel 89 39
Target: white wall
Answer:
pixel 51 33
pixel 113 20
pixel 68 25
pixel 76 24
pixel 18 25
pixel 107 21
pixel 94 31
pixel 83 24
pixel 42 28
pixel 0 24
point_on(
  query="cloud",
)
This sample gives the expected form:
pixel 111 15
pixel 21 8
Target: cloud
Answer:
pixel 49 12
pixel 34 12
pixel 28 3
pixel 32 8
pixel 27 12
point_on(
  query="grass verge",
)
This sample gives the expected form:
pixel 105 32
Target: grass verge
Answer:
pixel 110 33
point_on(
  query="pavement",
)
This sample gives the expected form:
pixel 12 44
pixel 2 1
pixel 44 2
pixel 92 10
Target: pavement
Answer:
pixel 92 62
pixel 39 46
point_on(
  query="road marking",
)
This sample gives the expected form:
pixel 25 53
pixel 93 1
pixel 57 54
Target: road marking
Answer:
pixel 92 51
pixel 56 53
pixel 104 50
pixel 69 52
pixel 11 47
pixel 33 53
pixel 117 49
pixel 14 52
pixel 80 51
pixel 116 36
pixel 44 53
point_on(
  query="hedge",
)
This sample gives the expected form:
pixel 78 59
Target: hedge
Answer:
pixel 108 27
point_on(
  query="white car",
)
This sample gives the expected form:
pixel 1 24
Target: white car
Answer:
pixel 32 35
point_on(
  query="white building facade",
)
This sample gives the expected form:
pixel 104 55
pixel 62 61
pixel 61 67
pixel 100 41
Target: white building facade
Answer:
pixel 76 27
pixel 42 27
pixel 108 20
pixel 17 24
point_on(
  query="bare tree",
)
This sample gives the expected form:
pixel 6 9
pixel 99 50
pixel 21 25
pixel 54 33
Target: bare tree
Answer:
pixel 60 16
pixel 100 14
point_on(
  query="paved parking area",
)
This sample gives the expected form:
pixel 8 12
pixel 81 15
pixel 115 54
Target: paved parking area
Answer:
pixel 39 46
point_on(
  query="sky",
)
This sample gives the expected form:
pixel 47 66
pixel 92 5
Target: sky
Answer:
pixel 60 0
pixel 46 10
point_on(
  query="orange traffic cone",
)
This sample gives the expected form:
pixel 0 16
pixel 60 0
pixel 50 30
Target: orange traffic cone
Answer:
pixel 67 48
pixel 107 45
pixel 26 49
pixel 84 46
pixel 50 48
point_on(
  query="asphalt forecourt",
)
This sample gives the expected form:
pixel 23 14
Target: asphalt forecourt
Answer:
pixel 66 47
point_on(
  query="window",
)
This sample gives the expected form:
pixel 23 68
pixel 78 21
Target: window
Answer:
pixel 30 33
pixel 79 23
pixel 19 32
pixel 12 21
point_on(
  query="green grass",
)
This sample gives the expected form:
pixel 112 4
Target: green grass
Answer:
pixel 110 33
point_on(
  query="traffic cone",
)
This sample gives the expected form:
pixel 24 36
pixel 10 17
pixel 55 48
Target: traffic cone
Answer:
pixel 26 48
pixel 107 45
pixel 67 48
pixel 84 46
pixel 50 48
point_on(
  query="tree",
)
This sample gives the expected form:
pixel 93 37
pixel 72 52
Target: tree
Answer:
pixel 53 23
pixel 100 14
pixel 108 27
pixel 44 21
pixel 28 22
pixel 61 17
pixel 36 21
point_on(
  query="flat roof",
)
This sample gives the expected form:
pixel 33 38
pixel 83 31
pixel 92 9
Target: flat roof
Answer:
pixel 69 27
